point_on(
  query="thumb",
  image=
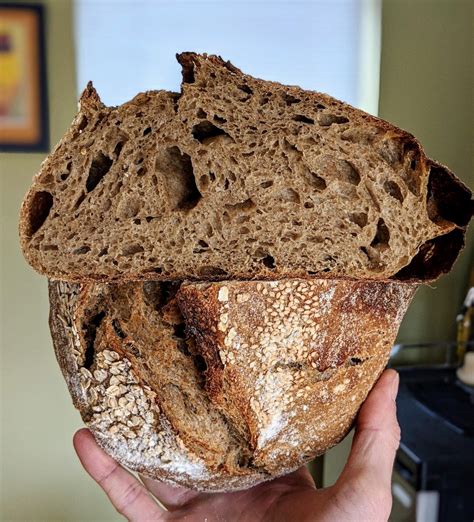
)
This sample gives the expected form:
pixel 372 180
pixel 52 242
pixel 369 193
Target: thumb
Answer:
pixel 376 439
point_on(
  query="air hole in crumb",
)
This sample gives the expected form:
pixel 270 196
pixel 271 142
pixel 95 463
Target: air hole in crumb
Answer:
pixel 103 252
pixel 382 236
pixel 320 106
pixel 82 250
pixel 350 174
pixel 359 218
pixel 226 184
pixel 317 181
pixel 146 131
pixel 289 99
pixel 393 190
pixel 118 149
pixel 219 119
pixel 141 171
pixel 269 261
pixel 39 209
pixel 247 90
pixel 50 248
pixel 83 123
pixel 202 246
pixel 289 194
pixel 303 119
pixel 354 361
pixel 205 130
pixel 100 166
pixel 309 204
pixel 201 113
pixel 242 207
pixel 65 174
pixel 79 201
pixel 130 250
pixel 327 119
pixel 203 181
pixel 211 271
pixel 178 173
pixel 266 184
pixel 244 87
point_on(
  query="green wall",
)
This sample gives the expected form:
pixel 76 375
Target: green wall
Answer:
pixel 426 87
pixel 41 478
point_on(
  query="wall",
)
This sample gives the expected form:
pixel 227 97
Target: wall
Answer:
pixel 426 88
pixel 41 478
pixel 426 84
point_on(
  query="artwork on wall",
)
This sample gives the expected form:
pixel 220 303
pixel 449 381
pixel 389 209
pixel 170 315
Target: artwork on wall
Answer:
pixel 23 96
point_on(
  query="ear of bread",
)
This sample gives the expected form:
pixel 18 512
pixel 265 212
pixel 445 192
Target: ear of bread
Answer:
pixel 222 386
pixel 237 177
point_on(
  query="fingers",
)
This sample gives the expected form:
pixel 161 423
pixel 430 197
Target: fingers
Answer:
pixel 377 437
pixel 127 494
pixel 172 497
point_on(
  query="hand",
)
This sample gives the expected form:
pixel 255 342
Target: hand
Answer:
pixel 362 492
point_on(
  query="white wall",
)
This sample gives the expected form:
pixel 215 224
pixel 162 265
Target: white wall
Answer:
pixel 127 46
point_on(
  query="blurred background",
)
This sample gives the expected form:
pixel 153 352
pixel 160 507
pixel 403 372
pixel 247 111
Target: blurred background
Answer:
pixel 408 61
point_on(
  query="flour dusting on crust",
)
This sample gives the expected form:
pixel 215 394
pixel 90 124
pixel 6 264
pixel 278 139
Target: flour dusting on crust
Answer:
pixel 298 358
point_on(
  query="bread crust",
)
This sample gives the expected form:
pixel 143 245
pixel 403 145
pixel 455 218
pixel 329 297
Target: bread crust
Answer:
pixel 287 366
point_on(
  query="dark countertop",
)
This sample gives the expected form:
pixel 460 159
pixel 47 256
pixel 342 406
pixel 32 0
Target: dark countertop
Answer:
pixel 436 417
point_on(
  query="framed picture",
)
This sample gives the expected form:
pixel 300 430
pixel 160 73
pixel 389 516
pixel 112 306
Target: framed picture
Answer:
pixel 23 96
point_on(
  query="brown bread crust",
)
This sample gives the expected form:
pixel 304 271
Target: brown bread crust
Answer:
pixel 239 178
pixel 221 386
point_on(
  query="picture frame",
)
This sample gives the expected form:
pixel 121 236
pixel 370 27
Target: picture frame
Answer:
pixel 24 124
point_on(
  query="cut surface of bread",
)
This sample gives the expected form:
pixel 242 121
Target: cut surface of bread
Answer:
pixel 237 177
pixel 221 386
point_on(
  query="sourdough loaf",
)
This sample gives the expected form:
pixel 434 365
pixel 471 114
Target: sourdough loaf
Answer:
pixel 237 177
pixel 221 386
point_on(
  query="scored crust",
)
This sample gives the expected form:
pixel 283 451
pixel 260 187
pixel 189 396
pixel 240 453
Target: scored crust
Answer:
pixel 220 386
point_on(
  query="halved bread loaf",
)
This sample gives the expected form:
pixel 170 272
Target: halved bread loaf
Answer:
pixel 221 386
pixel 238 177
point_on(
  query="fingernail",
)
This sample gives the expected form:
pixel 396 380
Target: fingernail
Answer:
pixel 395 383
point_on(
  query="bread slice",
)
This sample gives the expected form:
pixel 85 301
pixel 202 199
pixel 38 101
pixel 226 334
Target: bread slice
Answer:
pixel 221 386
pixel 237 177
